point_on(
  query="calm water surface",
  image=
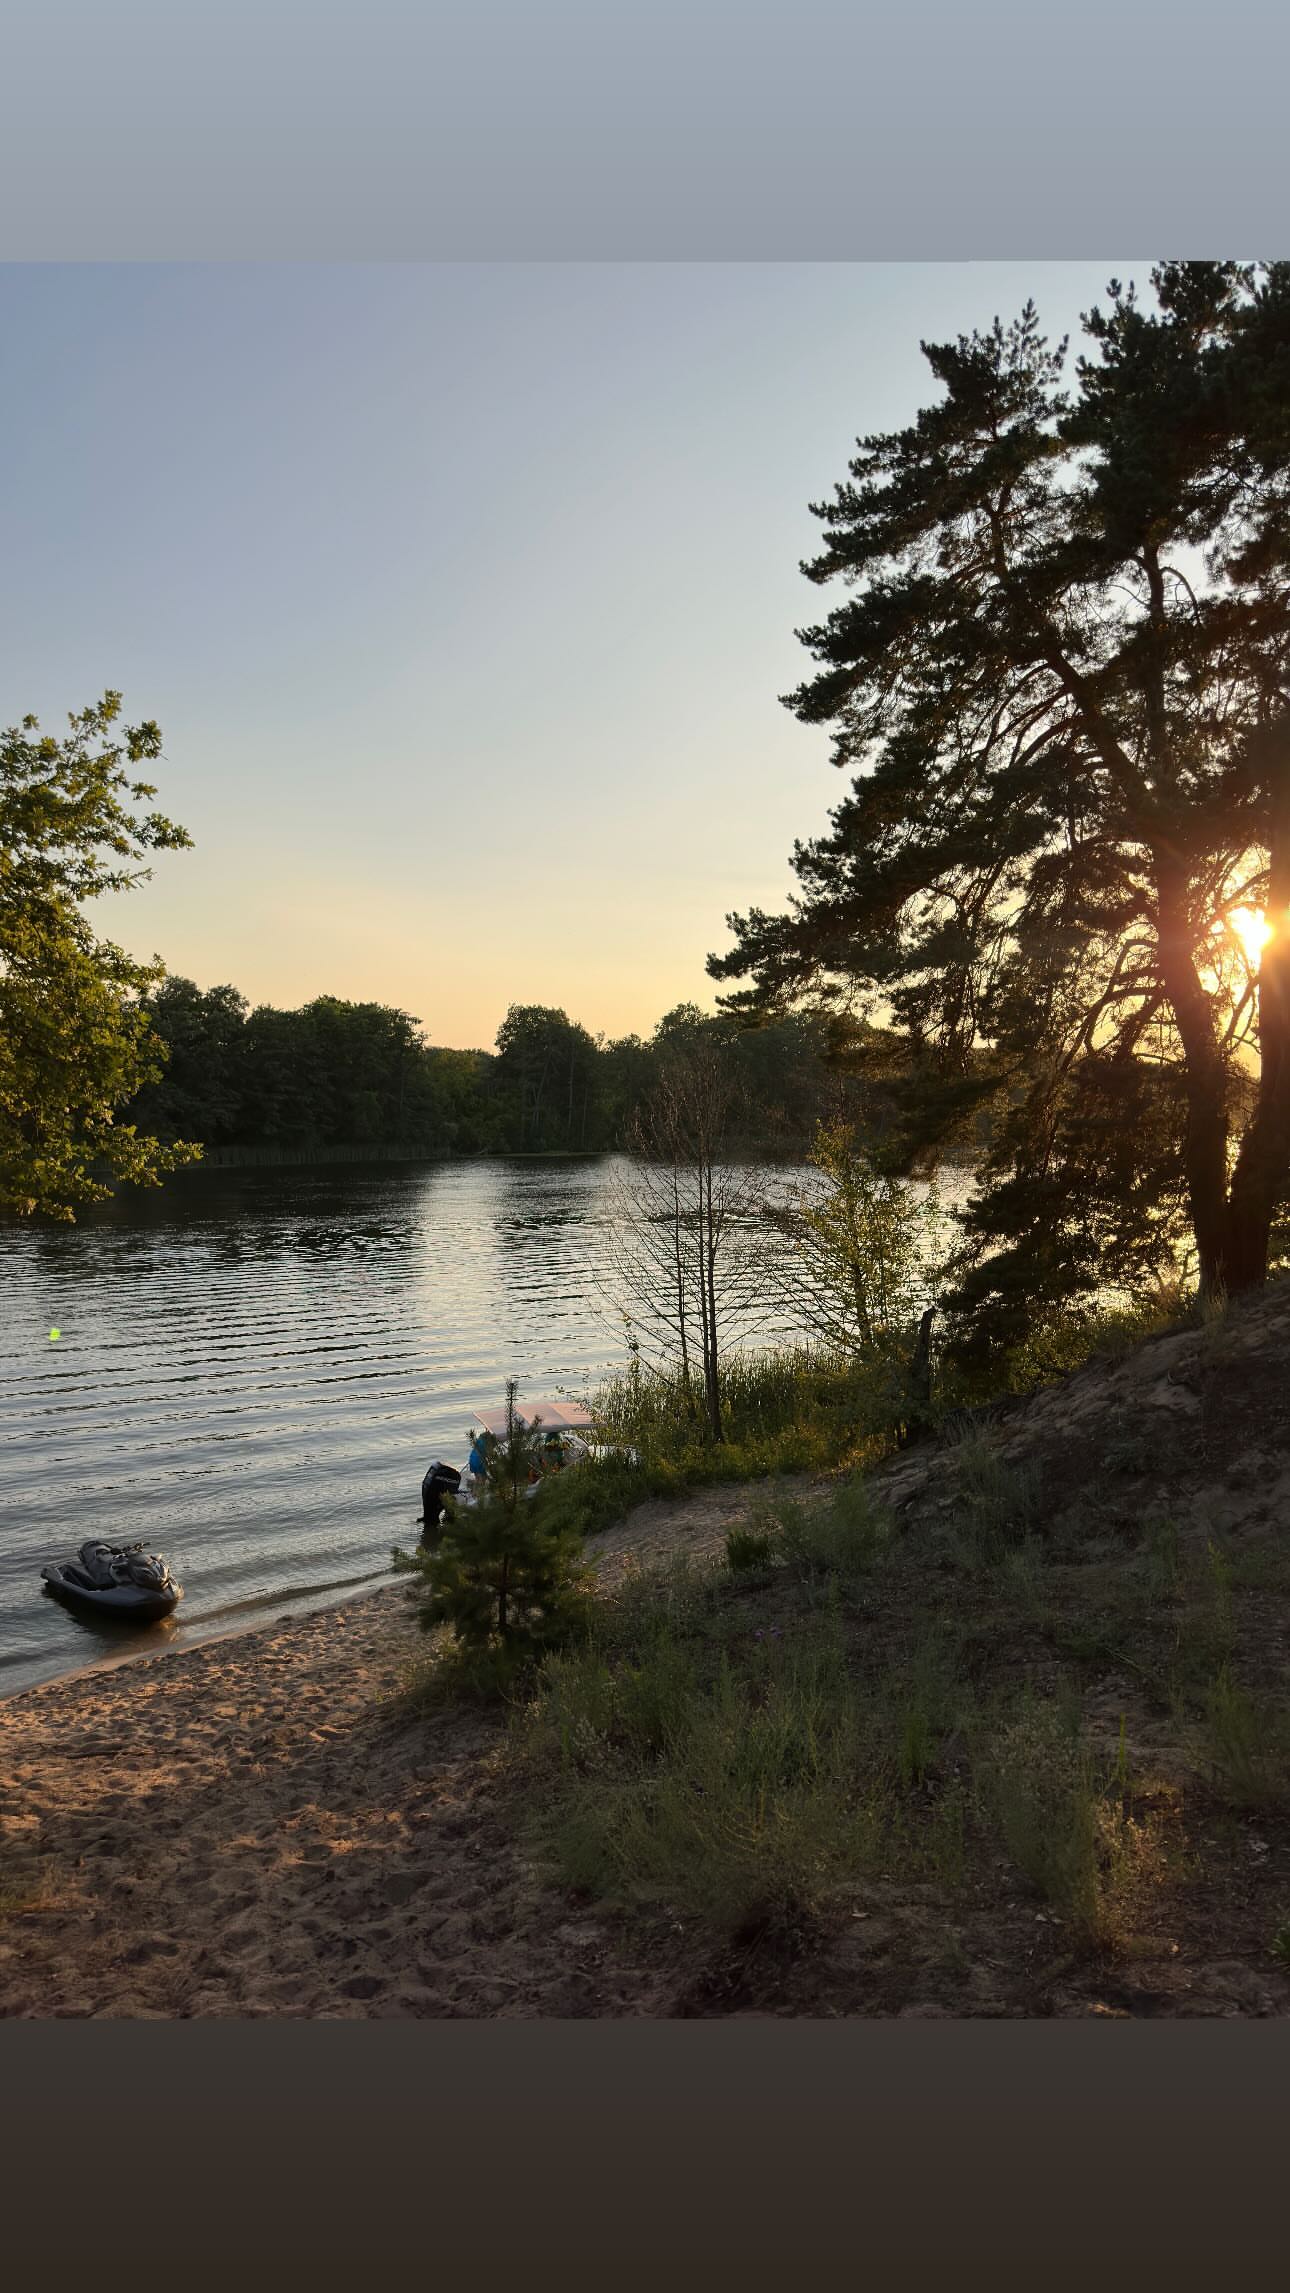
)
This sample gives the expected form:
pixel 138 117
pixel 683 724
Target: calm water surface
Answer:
pixel 255 1368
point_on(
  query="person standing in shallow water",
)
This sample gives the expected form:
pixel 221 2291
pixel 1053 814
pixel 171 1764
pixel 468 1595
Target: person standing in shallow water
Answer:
pixel 477 1463
pixel 438 1490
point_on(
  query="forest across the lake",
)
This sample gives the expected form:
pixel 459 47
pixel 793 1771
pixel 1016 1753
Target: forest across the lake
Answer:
pixel 339 1075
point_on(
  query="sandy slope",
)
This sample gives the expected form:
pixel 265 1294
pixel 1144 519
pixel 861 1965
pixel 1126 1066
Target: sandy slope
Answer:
pixel 247 1827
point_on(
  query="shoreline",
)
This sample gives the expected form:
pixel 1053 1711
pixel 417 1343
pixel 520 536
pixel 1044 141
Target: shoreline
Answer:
pixel 253 1825
pixel 645 1534
pixel 174 1649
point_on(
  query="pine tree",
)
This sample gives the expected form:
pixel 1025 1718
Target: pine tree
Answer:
pixel 506 1576
pixel 1062 681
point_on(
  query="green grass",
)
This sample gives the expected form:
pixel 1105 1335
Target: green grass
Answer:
pixel 784 1413
pixel 1246 1742
pixel 720 1747
pixel 738 1744
pixel 1163 1564
pixel 1062 1813
pixel 704 1759
pixel 681 1781
pixel 592 1496
pixel 792 1411
pixel 998 1503
pixel 839 1537
pixel 1204 1631
pixel 803 1410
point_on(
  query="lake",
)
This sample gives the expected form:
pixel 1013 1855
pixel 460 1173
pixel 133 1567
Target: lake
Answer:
pixel 254 1369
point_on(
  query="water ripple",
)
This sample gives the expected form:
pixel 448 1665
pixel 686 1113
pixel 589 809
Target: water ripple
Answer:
pixel 254 1370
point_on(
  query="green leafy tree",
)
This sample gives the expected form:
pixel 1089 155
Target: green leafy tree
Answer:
pixel 1062 682
pixel 504 1576
pixel 75 1041
pixel 862 1246
pixel 546 1073
pixel 287 1096
pixel 457 1111
pixel 199 1094
pixel 365 1056
pixel 627 1069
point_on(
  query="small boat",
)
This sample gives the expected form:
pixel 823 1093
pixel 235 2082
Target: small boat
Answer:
pixel 553 1416
pixel 117 1580
pixel 564 1422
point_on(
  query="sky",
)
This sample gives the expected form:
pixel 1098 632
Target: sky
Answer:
pixel 463 595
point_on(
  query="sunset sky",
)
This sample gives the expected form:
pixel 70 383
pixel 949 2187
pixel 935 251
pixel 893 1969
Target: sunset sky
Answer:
pixel 463 594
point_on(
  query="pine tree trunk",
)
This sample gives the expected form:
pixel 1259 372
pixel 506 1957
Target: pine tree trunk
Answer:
pixel 1205 1152
pixel 1259 1179
pixel 1263 1164
pixel 918 1406
pixel 1207 1130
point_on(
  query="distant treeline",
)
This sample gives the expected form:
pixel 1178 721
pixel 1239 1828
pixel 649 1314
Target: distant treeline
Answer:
pixel 343 1075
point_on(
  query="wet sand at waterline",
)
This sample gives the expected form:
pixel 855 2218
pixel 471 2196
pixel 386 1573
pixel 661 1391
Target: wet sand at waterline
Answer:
pixel 250 1826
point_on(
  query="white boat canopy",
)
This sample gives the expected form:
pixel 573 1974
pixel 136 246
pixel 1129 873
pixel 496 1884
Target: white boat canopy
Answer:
pixel 556 1416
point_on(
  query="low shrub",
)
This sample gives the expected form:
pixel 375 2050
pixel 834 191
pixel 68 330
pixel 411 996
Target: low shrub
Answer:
pixel 998 1502
pixel 1204 1633
pixel 749 1550
pixel 1064 1817
pixel 1068 1340
pixel 590 1497
pixel 1246 1743
pixel 841 1536
pixel 506 1575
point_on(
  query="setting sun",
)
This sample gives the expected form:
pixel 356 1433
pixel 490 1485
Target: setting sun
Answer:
pixel 1252 930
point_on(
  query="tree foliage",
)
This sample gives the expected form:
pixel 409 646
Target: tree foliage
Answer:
pixel 1061 680
pixel 335 1073
pixel 862 1247
pixel 546 1074
pixel 75 1043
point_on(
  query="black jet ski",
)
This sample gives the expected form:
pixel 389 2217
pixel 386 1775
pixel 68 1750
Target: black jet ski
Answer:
pixel 118 1580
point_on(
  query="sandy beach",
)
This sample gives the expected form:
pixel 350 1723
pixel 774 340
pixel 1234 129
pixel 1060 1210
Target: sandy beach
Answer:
pixel 252 1827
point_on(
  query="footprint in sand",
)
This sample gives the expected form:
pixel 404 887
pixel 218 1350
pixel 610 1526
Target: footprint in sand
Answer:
pixel 401 1886
pixel 364 1986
